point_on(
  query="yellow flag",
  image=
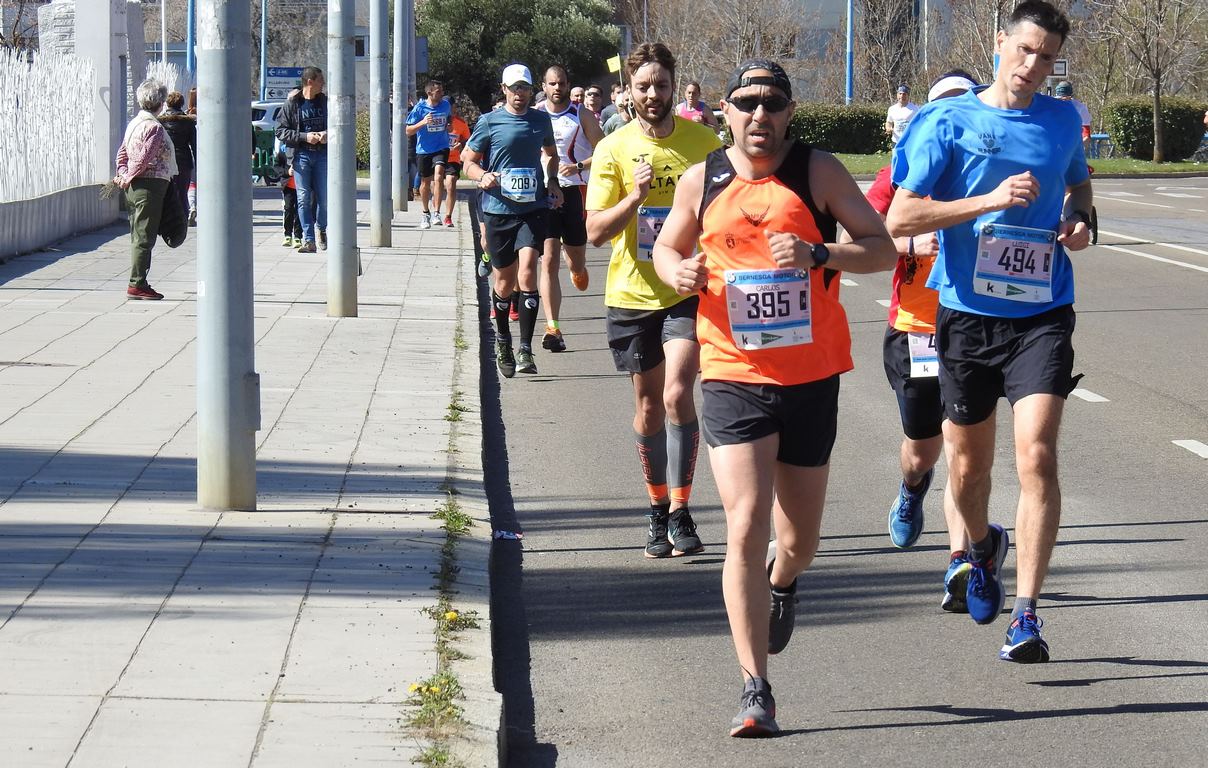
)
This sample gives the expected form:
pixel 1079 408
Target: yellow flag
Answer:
pixel 614 64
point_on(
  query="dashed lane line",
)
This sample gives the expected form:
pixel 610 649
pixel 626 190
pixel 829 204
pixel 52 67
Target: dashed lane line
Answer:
pixel 1089 396
pixel 847 281
pixel 883 303
pixel 1151 257
pixel 1188 249
pixel 1195 446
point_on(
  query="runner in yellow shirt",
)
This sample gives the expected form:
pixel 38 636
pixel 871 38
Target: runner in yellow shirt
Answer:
pixel 651 329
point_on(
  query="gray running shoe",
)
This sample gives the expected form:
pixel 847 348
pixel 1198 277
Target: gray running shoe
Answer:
pixel 484 265
pixel 505 359
pixel 783 616
pixel 657 544
pixel 524 361
pixel 681 529
pixel 757 713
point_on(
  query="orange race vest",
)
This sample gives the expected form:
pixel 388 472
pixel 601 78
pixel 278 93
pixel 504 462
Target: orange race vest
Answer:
pixel 735 214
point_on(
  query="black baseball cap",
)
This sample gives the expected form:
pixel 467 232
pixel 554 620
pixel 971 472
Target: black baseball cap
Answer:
pixel 778 79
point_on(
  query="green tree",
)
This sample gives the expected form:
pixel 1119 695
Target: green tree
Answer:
pixel 471 41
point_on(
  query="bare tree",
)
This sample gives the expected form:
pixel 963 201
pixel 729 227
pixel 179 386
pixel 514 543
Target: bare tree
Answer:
pixel 1160 36
pixel 887 36
pixel 23 30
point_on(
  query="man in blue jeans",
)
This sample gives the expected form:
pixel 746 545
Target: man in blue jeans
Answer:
pixel 302 125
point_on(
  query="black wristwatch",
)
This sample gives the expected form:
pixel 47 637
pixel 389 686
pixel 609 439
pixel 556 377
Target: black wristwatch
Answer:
pixel 820 254
pixel 1086 217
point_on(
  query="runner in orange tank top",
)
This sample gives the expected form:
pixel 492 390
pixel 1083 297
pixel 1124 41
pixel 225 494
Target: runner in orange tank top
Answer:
pixel 774 340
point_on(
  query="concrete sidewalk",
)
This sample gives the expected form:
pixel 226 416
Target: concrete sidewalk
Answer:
pixel 139 630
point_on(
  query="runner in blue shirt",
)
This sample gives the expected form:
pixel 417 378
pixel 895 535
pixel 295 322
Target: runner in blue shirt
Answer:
pixel 520 184
pixel 429 123
pixel 999 173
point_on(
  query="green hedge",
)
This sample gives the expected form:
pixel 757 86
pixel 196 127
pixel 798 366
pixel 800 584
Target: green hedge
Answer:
pixel 1130 124
pixel 857 129
pixel 362 140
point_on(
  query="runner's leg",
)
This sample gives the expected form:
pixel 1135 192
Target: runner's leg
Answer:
pixel 1037 422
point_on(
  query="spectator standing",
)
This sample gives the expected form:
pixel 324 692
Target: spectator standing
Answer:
pixel 899 114
pixel 302 126
pixel 146 163
pixel 182 129
pixel 1065 92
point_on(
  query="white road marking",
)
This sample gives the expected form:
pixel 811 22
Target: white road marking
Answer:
pixel 883 302
pixel 1180 194
pixel 847 281
pixel 1089 396
pixel 1151 257
pixel 1195 446
pixel 1188 249
pixel 1122 194
pixel 1151 205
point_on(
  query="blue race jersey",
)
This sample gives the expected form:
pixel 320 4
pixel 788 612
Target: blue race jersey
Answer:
pixel 434 136
pixel 960 147
pixel 512 148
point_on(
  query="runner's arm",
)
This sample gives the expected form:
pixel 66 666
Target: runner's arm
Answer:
pixel 1075 231
pixel 673 250
pixel 913 214
pixel 591 129
pixel 871 249
pixel 470 158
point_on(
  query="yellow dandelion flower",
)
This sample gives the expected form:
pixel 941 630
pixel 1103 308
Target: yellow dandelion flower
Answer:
pixel 451 616
pixel 435 689
pixel 413 687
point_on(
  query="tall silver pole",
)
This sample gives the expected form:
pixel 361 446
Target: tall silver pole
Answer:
pixel 228 388
pixel 926 21
pixel 410 81
pixel 263 49
pixel 341 162
pixel 163 31
pixel 398 145
pixel 380 210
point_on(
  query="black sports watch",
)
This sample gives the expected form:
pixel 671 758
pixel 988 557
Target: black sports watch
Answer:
pixel 1086 217
pixel 820 254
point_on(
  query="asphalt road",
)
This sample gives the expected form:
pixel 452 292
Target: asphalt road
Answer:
pixel 606 658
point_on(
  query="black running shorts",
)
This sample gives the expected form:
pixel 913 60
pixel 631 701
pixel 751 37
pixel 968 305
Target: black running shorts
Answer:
pixel 919 402
pixel 569 223
pixel 508 233
pixel 427 163
pixel 805 416
pixel 985 358
pixel 636 336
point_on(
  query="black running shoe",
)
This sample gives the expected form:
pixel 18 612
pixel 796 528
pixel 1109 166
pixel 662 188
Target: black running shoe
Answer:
pixel 657 544
pixel 757 711
pixel 682 531
pixel 524 360
pixel 783 616
pixel 505 359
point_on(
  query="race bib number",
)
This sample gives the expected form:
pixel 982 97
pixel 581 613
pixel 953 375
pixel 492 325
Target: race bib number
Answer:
pixel 438 123
pixel 768 307
pixel 519 184
pixel 924 362
pixel 1015 263
pixel 650 223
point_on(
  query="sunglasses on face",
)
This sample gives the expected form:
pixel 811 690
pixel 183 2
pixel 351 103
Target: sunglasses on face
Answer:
pixel 748 104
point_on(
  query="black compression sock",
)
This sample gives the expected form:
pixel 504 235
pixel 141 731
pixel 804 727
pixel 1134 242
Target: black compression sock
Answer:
pixel 530 301
pixel 502 305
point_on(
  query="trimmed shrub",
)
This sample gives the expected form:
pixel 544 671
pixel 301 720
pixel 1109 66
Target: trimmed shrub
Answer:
pixel 362 140
pixel 1130 124
pixel 857 129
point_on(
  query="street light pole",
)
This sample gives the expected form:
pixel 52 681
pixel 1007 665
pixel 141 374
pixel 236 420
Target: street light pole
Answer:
pixel 398 148
pixel 341 162
pixel 850 55
pixel 380 209
pixel 263 49
pixel 228 388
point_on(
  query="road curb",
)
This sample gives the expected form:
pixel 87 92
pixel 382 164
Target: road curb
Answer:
pixel 480 743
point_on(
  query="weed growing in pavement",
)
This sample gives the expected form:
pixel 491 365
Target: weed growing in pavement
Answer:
pixel 437 755
pixel 456 408
pixel 456 522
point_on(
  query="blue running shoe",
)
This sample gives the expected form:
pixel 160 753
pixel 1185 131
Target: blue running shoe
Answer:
pixel 1024 643
pixel 906 514
pixel 984 596
pixel 956 582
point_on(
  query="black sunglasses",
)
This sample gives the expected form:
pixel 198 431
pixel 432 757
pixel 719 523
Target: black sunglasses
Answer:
pixel 749 104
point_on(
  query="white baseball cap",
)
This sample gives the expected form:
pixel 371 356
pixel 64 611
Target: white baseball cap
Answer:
pixel 517 73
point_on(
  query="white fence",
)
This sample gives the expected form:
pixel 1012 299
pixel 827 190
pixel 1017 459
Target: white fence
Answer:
pixel 45 139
